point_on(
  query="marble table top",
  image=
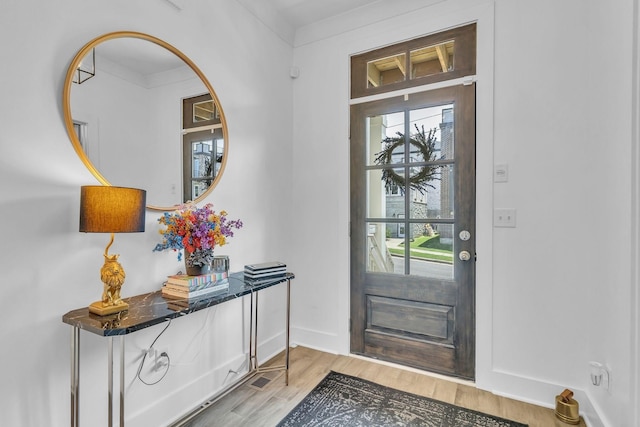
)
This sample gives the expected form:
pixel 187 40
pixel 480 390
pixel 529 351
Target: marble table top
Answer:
pixel 150 309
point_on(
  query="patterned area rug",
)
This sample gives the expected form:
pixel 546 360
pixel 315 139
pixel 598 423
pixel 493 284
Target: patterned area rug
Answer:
pixel 342 400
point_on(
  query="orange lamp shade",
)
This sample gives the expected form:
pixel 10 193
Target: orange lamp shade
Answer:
pixel 109 209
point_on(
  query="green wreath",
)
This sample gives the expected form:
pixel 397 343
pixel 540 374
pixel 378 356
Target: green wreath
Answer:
pixel 425 143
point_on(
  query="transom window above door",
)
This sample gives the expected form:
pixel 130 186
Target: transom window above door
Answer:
pixel 426 61
pixel 438 57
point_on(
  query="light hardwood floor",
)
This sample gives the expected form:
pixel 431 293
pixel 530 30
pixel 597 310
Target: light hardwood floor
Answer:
pixel 252 406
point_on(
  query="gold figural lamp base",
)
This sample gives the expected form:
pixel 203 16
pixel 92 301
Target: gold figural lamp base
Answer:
pixel 107 209
pixel 112 276
pixel 101 309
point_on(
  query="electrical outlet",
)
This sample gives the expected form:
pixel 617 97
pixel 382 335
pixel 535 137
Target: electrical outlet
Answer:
pixel 504 217
pixel 161 359
pixel 600 375
pixel 149 353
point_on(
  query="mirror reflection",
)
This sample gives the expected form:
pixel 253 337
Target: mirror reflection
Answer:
pixel 203 145
pixel 147 118
pixel 203 111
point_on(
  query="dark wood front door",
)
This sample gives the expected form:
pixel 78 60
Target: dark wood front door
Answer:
pixel 413 230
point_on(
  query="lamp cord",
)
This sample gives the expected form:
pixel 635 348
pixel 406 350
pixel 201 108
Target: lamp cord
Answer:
pixel 164 354
pixel 144 358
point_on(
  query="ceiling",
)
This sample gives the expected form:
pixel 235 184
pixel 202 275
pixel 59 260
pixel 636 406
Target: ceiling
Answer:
pixel 296 13
pixel 299 22
pixel 295 21
pixel 299 13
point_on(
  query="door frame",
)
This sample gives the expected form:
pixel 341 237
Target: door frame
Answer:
pixel 484 15
pixel 458 360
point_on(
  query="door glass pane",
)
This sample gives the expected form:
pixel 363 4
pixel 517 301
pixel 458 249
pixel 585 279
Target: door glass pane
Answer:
pixel 384 139
pixel 202 166
pixel 201 161
pixel 219 156
pixel 432 198
pixel 198 187
pixel 385 247
pixel 385 193
pixel 431 135
pixel 384 71
pixel 431 249
pixel 431 60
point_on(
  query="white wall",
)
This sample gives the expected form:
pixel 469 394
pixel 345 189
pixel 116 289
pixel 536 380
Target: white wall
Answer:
pixel 553 293
pixel 610 117
pixel 53 268
pixel 548 302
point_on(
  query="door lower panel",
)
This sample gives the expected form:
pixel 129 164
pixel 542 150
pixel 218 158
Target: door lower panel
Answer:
pixel 416 319
pixel 408 351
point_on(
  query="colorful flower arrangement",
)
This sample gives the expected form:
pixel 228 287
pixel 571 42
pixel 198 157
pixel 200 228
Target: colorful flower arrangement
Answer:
pixel 196 230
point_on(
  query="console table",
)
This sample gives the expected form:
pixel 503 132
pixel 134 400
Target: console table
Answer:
pixel 151 309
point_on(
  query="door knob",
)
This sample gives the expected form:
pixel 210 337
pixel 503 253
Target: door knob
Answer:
pixel 464 256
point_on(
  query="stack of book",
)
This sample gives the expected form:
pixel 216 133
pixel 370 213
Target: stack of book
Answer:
pixel 182 286
pixel 264 271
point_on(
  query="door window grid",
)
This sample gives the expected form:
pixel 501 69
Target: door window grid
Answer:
pixel 423 162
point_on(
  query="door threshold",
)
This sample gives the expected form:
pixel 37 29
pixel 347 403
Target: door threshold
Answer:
pixel 415 370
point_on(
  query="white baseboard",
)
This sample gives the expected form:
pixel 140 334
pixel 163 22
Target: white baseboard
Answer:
pixel 541 393
pixel 317 340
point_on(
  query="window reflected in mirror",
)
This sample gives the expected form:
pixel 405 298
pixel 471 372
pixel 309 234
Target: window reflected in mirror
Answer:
pixel 205 162
pixel 202 146
pixel 80 129
pixel 204 111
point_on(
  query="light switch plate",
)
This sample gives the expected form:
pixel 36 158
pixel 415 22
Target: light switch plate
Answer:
pixel 501 173
pixel 504 217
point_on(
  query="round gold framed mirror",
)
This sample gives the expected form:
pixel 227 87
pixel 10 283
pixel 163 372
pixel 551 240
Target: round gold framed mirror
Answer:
pixel 139 113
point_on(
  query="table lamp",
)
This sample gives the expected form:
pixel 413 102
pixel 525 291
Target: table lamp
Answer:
pixel 108 209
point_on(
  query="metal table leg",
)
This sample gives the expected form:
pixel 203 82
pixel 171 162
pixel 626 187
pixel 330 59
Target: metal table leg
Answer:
pixel 75 376
pixel 286 350
pixel 110 381
pixel 251 320
pixel 255 331
pixel 284 367
pixel 75 379
pixel 122 381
